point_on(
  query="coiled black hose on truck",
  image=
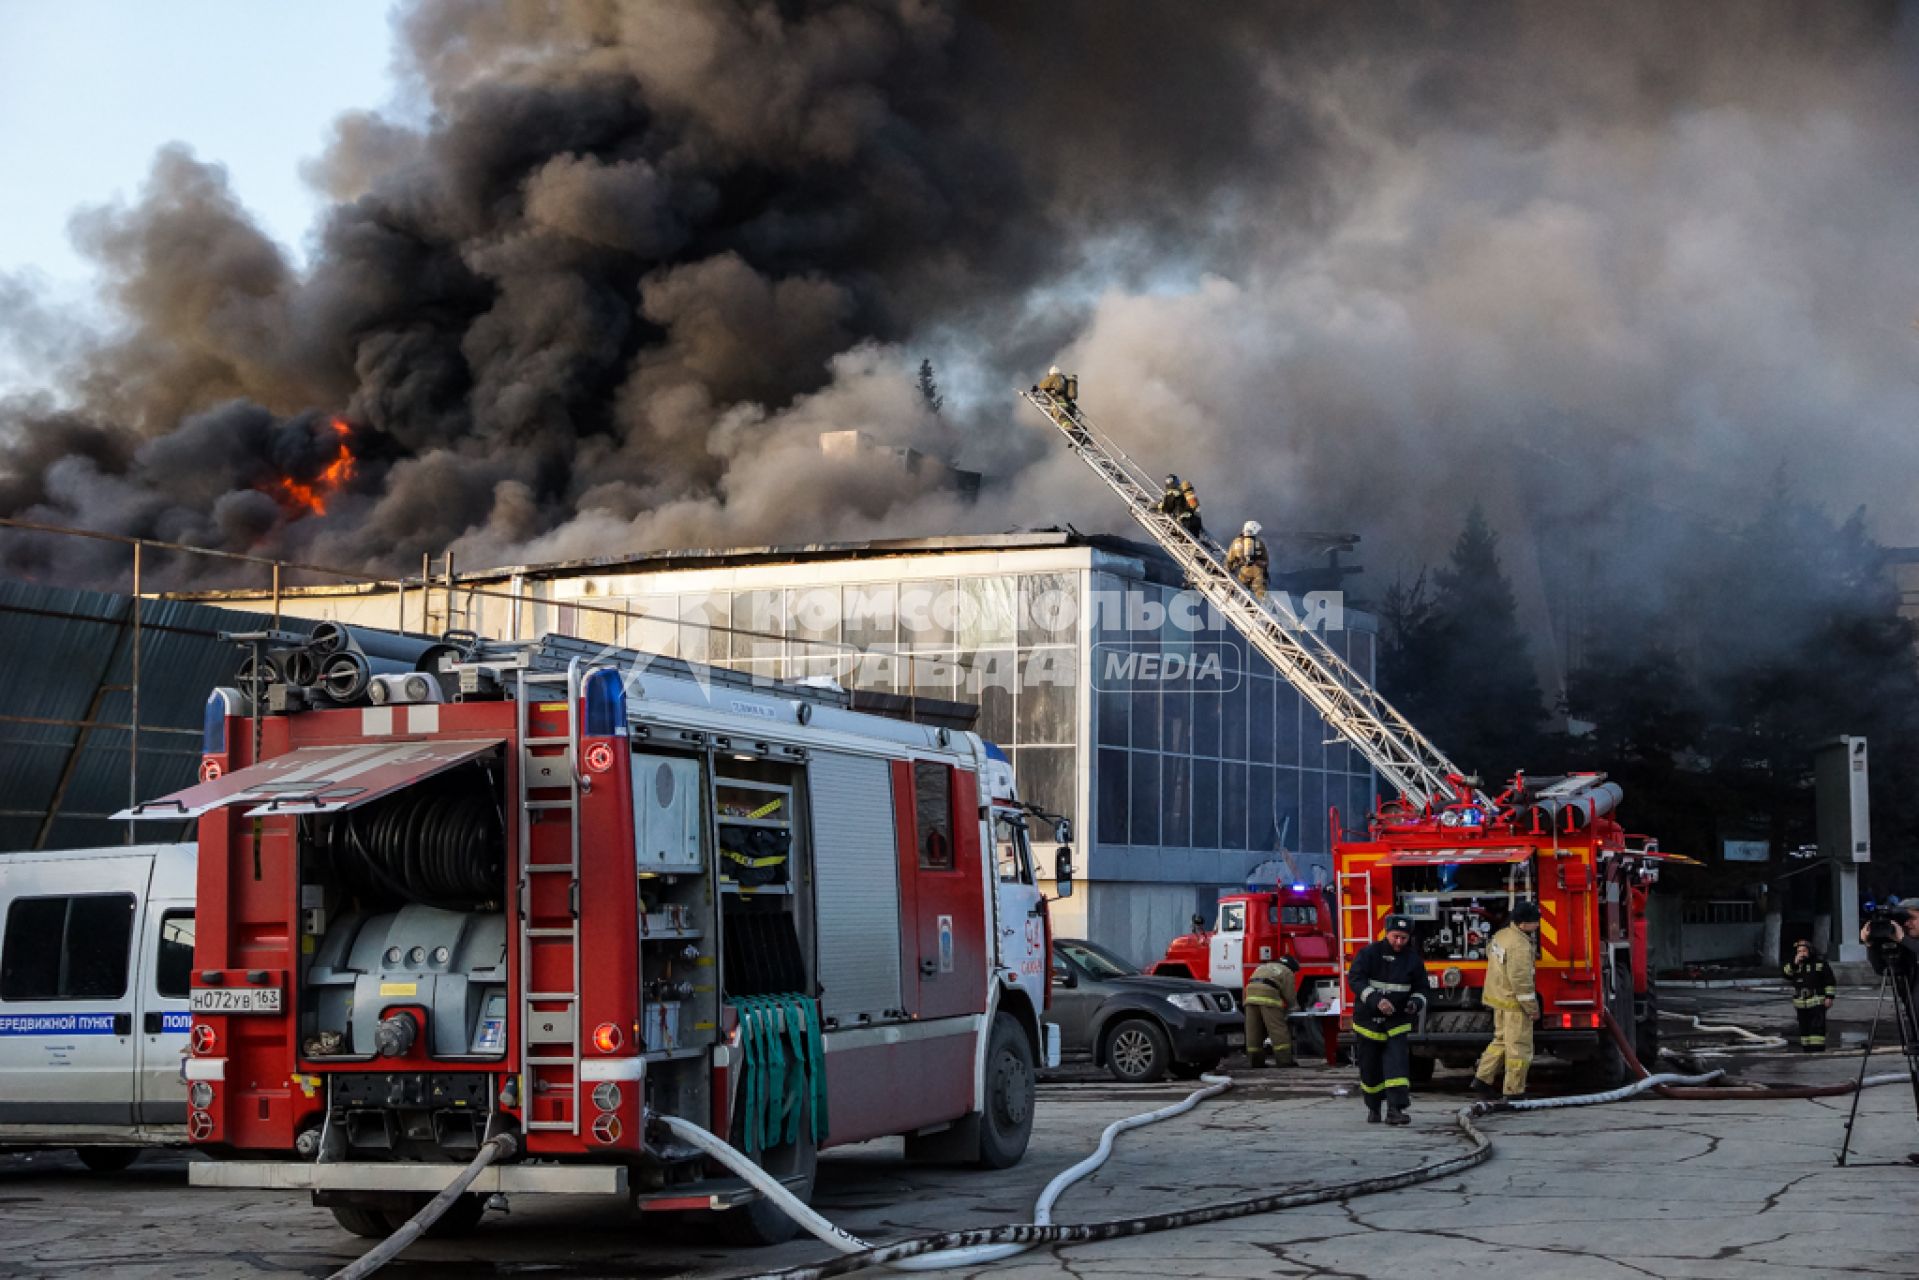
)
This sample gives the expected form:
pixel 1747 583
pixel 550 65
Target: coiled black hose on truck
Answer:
pixel 441 843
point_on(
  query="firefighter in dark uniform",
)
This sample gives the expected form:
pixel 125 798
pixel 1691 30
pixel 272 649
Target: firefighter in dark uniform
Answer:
pixel 1179 501
pixel 1813 989
pixel 1385 979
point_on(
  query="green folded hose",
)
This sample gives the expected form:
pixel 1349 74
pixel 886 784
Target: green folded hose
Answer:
pixel 783 1051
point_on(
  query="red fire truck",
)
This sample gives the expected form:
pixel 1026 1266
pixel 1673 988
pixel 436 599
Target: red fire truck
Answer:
pixel 1254 927
pixel 1457 867
pixel 555 895
pixel 1443 852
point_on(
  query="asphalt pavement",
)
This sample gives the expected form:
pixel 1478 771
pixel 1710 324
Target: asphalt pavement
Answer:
pixel 1644 1188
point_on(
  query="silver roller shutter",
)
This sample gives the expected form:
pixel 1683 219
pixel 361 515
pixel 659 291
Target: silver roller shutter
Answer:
pixel 856 860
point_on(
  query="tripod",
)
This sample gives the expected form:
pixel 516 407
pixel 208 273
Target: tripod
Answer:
pixel 1897 977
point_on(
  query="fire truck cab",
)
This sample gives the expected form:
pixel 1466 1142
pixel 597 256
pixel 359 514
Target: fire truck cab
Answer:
pixel 1458 869
pixel 1252 928
pixel 563 892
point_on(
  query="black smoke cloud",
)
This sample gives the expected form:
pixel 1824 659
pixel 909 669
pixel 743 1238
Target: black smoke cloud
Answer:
pixel 1348 266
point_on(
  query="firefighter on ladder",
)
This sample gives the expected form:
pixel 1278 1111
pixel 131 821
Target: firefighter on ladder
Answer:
pixel 1059 385
pixel 1246 559
pixel 1511 995
pixel 1387 977
pixel 1813 989
pixel 1272 992
pixel 1179 501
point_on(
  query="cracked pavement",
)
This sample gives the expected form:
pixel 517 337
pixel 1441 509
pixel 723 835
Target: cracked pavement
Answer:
pixel 1645 1188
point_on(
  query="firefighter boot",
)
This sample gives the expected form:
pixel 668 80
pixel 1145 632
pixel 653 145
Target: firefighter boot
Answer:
pixel 1484 1088
pixel 1372 1115
pixel 1397 1115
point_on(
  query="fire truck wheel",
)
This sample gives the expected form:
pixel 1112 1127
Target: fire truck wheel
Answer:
pixel 361 1221
pixel 758 1222
pixel 458 1221
pixel 1007 1123
pixel 1646 1032
pixel 106 1159
pixel 1419 1068
pixel 1137 1051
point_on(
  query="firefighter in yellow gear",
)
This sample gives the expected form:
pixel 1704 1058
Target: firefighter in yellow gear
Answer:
pixel 1510 994
pixel 1246 559
pixel 1272 992
pixel 1063 386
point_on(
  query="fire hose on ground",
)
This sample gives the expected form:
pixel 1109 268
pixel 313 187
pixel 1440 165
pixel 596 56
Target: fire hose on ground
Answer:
pixel 990 1244
pixel 981 1245
pixel 497 1148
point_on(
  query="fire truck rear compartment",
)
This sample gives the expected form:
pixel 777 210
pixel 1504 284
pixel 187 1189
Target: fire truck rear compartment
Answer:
pixel 402 908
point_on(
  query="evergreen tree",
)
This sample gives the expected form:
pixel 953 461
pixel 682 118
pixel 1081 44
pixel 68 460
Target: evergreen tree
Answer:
pixel 930 388
pixel 1457 664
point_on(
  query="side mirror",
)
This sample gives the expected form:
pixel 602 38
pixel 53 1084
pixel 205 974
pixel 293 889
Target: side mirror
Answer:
pixel 1063 831
pixel 1064 977
pixel 1199 923
pixel 1063 872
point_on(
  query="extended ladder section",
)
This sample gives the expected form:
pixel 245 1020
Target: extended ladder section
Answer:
pixel 549 901
pixel 1410 763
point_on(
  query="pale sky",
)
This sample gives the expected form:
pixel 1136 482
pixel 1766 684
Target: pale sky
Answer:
pixel 90 88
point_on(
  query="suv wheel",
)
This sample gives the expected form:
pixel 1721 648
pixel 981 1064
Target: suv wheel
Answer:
pixel 1137 1051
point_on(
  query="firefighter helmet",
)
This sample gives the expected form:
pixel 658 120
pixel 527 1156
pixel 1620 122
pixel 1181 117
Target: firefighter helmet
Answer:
pixel 1172 481
pixel 1526 913
pixel 1290 963
pixel 1250 528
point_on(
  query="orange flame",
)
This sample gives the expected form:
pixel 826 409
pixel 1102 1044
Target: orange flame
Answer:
pixel 308 497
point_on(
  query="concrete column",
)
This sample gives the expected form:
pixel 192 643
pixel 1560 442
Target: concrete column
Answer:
pixel 1769 944
pixel 1845 913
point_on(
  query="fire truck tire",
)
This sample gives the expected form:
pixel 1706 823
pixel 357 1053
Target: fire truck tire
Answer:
pixel 1137 1051
pixel 1419 1068
pixel 460 1220
pixel 106 1159
pixel 1006 1125
pixel 1645 1033
pixel 359 1220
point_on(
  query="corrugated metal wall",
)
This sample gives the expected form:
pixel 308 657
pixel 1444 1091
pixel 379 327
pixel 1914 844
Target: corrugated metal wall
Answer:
pixel 66 673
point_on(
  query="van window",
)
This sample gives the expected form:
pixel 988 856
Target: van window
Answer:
pixel 933 806
pixel 71 948
pixel 173 967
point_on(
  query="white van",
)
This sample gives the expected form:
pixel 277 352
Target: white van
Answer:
pixel 96 952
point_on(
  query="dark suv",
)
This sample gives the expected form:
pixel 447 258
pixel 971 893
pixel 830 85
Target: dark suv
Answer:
pixel 1137 1026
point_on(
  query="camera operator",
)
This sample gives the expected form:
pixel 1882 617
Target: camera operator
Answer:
pixel 1892 938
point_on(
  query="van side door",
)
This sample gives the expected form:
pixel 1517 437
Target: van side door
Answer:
pixel 166 972
pixel 67 1043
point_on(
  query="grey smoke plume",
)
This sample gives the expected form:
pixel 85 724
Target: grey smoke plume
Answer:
pixel 1348 267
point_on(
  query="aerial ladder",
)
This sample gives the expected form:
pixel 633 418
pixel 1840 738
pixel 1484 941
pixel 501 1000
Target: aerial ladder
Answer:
pixel 1404 757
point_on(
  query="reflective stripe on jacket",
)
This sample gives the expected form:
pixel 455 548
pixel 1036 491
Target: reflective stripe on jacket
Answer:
pixel 1272 984
pixel 1812 983
pixel 1509 971
pixel 1379 972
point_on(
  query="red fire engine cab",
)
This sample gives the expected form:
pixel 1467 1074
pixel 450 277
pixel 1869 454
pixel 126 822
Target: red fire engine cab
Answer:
pixel 1457 868
pixel 1254 927
pixel 557 892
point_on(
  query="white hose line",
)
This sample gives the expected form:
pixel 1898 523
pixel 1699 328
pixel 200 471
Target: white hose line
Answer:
pixel 1752 1038
pixel 384 1252
pixel 846 1242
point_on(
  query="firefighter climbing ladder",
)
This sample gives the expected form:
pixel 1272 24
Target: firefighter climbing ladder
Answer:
pixel 1410 763
pixel 549 1017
